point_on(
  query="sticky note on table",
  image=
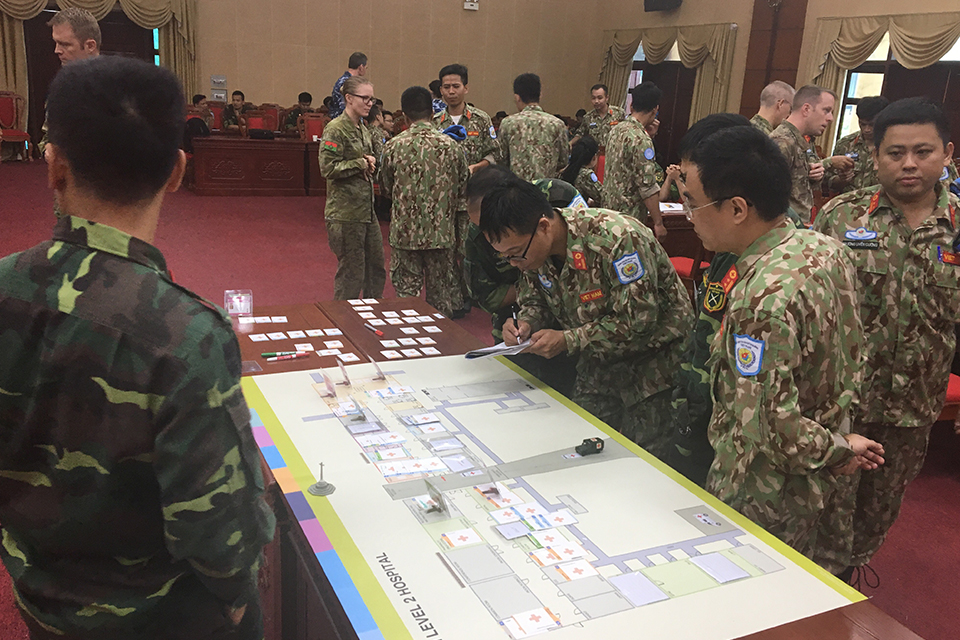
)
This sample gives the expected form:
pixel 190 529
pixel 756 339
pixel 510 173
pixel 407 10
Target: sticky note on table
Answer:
pixel 278 318
pixel 430 351
pixel 349 357
pixel 409 330
pixel 391 355
pixel 407 342
pixel 279 335
pixel 259 337
pixel 367 315
pixel 296 334
pixel 333 344
pixel 409 312
pixel 426 340
pixel 394 321
pixel 390 343
pixel 314 333
pixel 391 314
pixel 333 332
pixel 433 329
pixel 411 353
pixel 377 322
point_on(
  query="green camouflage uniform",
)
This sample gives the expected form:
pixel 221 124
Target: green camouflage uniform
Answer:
pixel 290 122
pixel 533 144
pixel 598 126
pixel 229 116
pixel 762 124
pixel 425 174
pixel 589 185
pixel 909 298
pixel 799 154
pixel 949 175
pixel 353 231
pixel 861 152
pixel 785 371
pixel 630 173
pixel 131 496
pixel 625 313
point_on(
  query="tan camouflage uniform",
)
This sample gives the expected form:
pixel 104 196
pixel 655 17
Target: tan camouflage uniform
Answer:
pixel 352 228
pixel 425 173
pixel 533 144
pixel 624 312
pixel 799 154
pixel 864 175
pixel 762 124
pixel 630 172
pixel 909 298
pixel 589 186
pixel 785 371
pixel 598 126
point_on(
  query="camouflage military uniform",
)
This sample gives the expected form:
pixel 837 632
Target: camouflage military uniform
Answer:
pixel 762 124
pixel 624 312
pixel 533 144
pixel 910 303
pixel 598 126
pixel 130 484
pixel 785 370
pixel 797 151
pixel 290 122
pixel 229 117
pixel 337 100
pixel 589 185
pixel 630 173
pixel 425 173
pixel 864 175
pixel 949 175
pixel 352 228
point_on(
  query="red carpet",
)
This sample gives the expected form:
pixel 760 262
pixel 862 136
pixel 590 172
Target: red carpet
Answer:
pixel 278 248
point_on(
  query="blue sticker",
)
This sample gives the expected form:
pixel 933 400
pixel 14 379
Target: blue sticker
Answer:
pixel 749 354
pixel 546 282
pixel 593 124
pixel 594 177
pixel 945 175
pixel 649 153
pixel 493 132
pixel 860 234
pixel 629 268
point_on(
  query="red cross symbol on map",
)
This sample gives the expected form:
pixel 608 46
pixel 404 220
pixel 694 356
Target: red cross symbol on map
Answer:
pixel 507 514
pixel 568 551
pixel 559 519
pixel 549 538
pixel 507 500
pixel 417 466
pixel 462 538
pixel 578 571
pixel 535 618
pixel 390 469
pixel 531 510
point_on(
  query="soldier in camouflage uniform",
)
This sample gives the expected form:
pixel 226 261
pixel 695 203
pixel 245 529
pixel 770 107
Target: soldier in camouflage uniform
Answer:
pixel 630 183
pixel 599 122
pixel 304 100
pixel 858 146
pixel 584 155
pixel 425 174
pixel 346 161
pixel 533 143
pixel 230 117
pixel 776 101
pixel 131 496
pixel 784 373
pixel 906 246
pixel 609 284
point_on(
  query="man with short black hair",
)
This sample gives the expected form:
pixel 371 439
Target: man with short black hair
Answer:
pixel 131 498
pixel 812 113
pixel 230 117
pixel 425 173
pixel 630 175
pixel 599 122
pixel 858 146
pixel 480 138
pixel 906 247
pixel 776 102
pixel 785 372
pixel 533 143
pixel 610 286
pixel 356 67
pixel 304 100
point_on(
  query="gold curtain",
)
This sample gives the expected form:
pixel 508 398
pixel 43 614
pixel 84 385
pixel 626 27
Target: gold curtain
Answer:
pixel 99 8
pixel 22 9
pixel 707 48
pixel 178 50
pixel 916 40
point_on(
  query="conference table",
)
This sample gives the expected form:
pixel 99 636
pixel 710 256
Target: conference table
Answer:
pixel 226 165
pixel 310 585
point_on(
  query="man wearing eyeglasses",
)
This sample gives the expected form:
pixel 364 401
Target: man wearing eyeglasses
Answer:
pixel 785 364
pixel 776 101
pixel 608 283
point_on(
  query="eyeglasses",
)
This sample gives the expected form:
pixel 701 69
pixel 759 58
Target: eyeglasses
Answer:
pixel 366 99
pixel 688 210
pixel 522 256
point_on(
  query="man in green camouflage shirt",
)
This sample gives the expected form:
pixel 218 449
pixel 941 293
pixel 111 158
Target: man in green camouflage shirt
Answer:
pixel 784 372
pixel 630 175
pixel 776 101
pixel 601 121
pixel 812 113
pixel 230 117
pixel 425 174
pixel 131 496
pixel 609 284
pixel 858 146
pixel 533 143
pixel 304 100
pixel 904 237
pixel 353 232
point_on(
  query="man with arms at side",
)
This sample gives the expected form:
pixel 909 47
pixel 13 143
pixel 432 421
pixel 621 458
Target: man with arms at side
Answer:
pixel 353 232
pixel 776 102
pixel 600 122
pixel 904 237
pixel 533 143
pixel 356 68
pixel 304 100
pixel 812 113
pixel 630 176
pixel 230 118
pixel 608 283
pixel 785 363
pixel 131 496
pixel 425 173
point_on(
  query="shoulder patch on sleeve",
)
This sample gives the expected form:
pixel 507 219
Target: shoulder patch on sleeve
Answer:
pixel 629 268
pixel 649 153
pixel 578 203
pixel 749 354
pixel 593 177
pixel 493 132
pixel 330 144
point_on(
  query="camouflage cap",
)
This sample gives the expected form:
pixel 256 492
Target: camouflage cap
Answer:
pixel 560 194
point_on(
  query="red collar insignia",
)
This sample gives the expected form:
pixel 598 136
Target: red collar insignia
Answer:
pixel 579 261
pixel 730 279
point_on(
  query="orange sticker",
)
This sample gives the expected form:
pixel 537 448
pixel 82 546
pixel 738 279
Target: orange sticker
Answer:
pixel 613 122
pixel 473 133
pixel 730 279
pixel 590 296
pixel 945 256
pixel 579 261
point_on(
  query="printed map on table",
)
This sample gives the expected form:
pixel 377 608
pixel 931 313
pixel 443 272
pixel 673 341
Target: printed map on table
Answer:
pixel 531 537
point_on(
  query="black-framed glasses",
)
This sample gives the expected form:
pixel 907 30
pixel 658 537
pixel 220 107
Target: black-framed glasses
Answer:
pixel 522 256
pixel 366 99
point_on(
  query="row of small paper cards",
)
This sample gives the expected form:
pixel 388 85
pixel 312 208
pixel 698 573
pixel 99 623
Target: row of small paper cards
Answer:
pixel 294 335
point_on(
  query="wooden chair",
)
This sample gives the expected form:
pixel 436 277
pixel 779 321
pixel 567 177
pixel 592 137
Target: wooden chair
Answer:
pixel 311 125
pixel 271 116
pixel 216 108
pixel 11 113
